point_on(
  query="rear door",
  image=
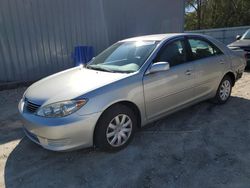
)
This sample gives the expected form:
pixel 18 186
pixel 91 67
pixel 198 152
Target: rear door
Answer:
pixel 209 63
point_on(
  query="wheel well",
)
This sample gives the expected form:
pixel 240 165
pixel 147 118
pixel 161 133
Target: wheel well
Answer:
pixel 135 109
pixel 125 103
pixel 129 104
pixel 232 76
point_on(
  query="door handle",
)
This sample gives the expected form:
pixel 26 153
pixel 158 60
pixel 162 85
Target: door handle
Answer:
pixel 188 72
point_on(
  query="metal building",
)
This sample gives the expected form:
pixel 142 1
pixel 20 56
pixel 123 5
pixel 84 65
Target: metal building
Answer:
pixel 37 37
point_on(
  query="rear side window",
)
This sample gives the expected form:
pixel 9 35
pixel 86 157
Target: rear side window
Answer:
pixel 202 49
pixel 174 53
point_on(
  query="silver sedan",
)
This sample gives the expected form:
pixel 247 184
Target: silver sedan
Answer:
pixel 132 83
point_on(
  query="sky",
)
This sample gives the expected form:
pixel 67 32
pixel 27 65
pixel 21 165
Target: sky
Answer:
pixel 189 9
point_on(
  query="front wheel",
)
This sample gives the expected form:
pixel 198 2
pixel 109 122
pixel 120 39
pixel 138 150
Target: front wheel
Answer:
pixel 224 91
pixel 115 129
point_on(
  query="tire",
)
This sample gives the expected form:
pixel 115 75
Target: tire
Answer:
pixel 115 128
pixel 224 91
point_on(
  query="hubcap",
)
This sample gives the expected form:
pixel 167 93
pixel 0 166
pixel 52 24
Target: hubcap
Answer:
pixel 225 90
pixel 119 130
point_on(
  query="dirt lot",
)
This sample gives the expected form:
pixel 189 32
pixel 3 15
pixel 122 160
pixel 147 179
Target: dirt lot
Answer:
pixel 201 146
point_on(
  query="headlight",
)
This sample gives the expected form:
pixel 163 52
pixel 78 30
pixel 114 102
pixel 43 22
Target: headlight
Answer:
pixel 61 109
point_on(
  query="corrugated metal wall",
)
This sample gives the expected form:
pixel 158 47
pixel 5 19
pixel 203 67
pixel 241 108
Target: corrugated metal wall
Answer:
pixel 37 37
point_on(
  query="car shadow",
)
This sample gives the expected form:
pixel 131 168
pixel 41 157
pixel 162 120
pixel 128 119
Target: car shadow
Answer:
pixel 202 145
pixel 10 119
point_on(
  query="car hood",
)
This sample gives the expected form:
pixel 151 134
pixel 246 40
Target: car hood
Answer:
pixel 240 43
pixel 69 84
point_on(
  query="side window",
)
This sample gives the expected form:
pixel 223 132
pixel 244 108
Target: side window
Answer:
pixel 173 53
pixel 202 49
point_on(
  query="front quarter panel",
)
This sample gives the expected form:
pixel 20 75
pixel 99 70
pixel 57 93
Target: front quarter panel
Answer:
pixel 128 89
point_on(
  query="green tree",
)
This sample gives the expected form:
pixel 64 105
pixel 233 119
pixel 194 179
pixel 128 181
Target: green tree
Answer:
pixel 203 14
pixel 196 6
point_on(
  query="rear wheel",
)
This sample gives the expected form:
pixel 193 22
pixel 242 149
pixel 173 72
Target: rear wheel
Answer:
pixel 115 129
pixel 224 91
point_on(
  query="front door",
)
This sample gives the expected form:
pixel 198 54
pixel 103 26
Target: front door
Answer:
pixel 164 91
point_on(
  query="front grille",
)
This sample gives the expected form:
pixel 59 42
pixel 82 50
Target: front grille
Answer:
pixel 31 107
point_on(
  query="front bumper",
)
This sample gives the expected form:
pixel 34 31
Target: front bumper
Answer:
pixel 60 134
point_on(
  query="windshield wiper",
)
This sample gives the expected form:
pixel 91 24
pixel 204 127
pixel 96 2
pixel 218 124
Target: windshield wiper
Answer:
pixel 99 68
pixel 93 67
pixel 124 72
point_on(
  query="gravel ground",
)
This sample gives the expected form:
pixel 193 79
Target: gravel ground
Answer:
pixel 202 146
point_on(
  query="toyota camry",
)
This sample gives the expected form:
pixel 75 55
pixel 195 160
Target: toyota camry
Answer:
pixel 130 84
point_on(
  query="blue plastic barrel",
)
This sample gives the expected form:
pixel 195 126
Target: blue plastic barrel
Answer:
pixel 83 54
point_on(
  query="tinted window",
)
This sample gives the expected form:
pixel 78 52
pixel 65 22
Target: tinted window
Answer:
pixel 202 49
pixel 173 53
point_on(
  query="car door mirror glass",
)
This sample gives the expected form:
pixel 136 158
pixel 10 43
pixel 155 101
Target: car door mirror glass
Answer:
pixel 159 67
pixel 238 37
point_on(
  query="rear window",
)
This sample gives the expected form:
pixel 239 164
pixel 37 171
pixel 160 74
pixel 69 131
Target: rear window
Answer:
pixel 203 49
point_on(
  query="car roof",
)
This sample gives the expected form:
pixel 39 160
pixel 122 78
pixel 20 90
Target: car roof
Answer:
pixel 159 37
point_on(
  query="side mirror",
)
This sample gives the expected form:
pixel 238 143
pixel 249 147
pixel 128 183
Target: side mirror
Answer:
pixel 159 67
pixel 238 37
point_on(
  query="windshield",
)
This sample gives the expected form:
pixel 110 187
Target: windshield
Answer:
pixel 124 57
pixel 246 35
